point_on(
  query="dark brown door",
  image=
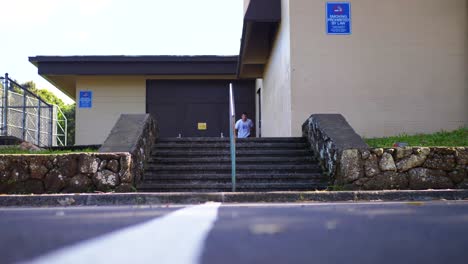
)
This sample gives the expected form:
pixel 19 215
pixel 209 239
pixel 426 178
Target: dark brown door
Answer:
pixel 197 108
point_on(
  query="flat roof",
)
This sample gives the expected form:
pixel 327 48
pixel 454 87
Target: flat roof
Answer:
pixel 125 58
pixel 135 65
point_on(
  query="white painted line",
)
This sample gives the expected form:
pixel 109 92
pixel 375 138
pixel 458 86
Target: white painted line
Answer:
pixel 175 238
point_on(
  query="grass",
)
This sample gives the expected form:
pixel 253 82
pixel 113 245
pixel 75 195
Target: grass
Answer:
pixel 457 138
pixel 15 150
pixel 335 188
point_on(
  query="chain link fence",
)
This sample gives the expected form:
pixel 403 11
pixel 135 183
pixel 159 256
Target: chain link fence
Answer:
pixel 26 116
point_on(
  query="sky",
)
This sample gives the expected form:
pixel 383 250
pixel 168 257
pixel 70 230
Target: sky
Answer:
pixel 113 27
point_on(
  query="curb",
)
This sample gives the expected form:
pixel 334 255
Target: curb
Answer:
pixel 113 199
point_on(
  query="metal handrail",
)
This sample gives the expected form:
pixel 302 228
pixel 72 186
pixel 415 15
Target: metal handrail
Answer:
pixel 29 92
pixel 232 132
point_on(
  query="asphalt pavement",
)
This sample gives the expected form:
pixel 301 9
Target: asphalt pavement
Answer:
pixel 379 232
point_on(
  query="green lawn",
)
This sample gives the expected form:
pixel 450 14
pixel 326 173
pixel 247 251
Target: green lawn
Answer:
pixel 14 150
pixel 457 138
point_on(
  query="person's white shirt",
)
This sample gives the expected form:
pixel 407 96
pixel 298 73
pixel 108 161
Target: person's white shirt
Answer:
pixel 243 128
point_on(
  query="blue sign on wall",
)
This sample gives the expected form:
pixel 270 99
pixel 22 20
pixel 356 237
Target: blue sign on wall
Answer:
pixel 86 99
pixel 338 18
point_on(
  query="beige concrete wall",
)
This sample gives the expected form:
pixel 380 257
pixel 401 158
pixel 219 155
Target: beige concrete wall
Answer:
pixel 276 92
pixel 246 5
pixel 404 68
pixel 112 96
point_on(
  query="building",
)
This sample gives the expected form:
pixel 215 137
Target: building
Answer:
pixel 397 66
pixel 180 92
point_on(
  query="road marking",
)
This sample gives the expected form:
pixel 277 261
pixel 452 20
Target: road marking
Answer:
pixel 177 237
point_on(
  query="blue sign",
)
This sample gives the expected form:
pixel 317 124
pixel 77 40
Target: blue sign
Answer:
pixel 338 18
pixel 86 99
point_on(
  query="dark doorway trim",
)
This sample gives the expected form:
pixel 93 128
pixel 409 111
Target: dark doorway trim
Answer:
pixel 259 95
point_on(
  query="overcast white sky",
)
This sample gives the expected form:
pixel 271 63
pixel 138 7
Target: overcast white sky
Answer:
pixel 114 27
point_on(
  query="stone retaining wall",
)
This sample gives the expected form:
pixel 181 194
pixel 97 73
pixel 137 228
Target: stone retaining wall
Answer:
pixel 351 164
pixel 329 135
pixel 414 168
pixel 118 166
pixel 135 134
pixel 70 173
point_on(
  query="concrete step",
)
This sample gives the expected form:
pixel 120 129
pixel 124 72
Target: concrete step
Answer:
pixel 212 140
pixel 227 159
pixel 209 187
pixel 239 152
pixel 238 181
pixel 227 176
pixel 219 168
pixel 220 145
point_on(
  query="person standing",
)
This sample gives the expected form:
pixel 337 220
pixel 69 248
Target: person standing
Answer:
pixel 243 126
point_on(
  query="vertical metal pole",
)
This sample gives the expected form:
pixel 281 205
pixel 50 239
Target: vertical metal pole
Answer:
pixel 39 124
pixel 2 114
pixel 2 106
pixel 5 105
pixel 24 115
pixel 66 130
pixel 51 132
pixel 232 120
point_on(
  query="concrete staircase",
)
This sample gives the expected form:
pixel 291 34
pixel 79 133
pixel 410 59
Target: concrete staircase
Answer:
pixel 203 164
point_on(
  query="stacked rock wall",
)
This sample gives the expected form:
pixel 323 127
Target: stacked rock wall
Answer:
pixel 118 166
pixel 414 168
pixel 351 164
pixel 135 134
pixel 329 135
pixel 70 173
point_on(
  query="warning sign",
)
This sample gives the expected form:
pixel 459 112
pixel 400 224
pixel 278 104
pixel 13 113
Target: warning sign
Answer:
pixel 338 18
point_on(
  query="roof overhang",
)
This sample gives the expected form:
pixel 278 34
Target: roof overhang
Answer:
pixel 62 71
pixel 135 65
pixel 261 22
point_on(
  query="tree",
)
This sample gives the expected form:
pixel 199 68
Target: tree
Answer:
pixel 69 111
pixel 44 94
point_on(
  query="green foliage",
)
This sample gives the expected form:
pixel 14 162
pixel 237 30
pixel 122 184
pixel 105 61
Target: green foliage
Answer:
pixel 455 138
pixel 14 88
pixel 46 95
pixel 50 98
pixel 69 111
pixel 335 188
